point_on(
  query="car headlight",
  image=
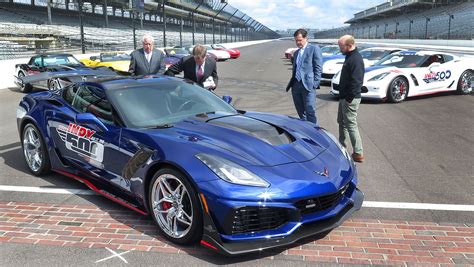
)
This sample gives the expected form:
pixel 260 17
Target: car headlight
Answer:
pixel 341 148
pixel 20 112
pixel 379 77
pixel 231 172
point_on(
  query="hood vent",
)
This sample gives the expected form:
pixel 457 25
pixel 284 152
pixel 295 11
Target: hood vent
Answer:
pixel 266 132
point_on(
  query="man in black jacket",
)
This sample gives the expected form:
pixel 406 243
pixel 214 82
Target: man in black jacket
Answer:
pixel 197 67
pixel 350 85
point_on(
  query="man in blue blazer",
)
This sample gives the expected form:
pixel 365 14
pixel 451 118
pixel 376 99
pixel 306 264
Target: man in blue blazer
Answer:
pixel 306 76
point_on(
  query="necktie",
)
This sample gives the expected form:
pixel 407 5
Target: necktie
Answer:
pixel 298 65
pixel 199 72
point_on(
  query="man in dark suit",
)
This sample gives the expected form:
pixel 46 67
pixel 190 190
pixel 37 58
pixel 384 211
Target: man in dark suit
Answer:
pixel 197 67
pixel 306 76
pixel 147 60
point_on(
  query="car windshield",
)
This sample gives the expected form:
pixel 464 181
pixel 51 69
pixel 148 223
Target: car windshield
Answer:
pixel 402 61
pixel 165 104
pixel 373 54
pixel 114 57
pixel 177 51
pixel 60 60
pixel 330 49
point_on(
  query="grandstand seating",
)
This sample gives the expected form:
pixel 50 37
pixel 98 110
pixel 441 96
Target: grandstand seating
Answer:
pixel 462 24
pixel 21 31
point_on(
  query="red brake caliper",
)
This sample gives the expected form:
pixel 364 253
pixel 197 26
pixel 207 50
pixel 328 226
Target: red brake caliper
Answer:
pixel 166 205
pixel 402 88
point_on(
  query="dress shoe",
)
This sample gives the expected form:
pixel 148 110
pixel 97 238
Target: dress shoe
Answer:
pixel 358 157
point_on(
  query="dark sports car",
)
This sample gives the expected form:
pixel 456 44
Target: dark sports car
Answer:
pixel 232 180
pixel 173 55
pixel 49 63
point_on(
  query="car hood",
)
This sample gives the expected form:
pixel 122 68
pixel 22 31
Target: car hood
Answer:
pixel 331 57
pixel 376 70
pixel 254 139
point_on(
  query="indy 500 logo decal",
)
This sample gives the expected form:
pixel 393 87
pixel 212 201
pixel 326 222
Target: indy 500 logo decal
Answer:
pixel 437 76
pixel 82 141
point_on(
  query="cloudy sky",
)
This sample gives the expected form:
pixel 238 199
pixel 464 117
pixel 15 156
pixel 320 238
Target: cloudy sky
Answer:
pixel 292 14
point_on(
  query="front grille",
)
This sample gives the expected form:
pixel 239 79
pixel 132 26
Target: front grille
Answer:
pixel 311 205
pixel 327 76
pixel 254 219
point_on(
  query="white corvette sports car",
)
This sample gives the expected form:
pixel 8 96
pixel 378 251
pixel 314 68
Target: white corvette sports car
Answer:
pixel 370 55
pixel 414 73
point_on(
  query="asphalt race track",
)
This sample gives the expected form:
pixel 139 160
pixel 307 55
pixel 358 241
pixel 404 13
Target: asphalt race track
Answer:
pixel 419 151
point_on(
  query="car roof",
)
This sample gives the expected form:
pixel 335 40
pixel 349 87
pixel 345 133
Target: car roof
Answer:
pixel 119 82
pixel 423 53
pixel 385 48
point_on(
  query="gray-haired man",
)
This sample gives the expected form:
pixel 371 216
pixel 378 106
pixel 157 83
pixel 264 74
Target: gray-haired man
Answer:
pixel 147 60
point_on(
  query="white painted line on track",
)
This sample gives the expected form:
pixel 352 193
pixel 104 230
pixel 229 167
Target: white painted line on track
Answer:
pixel 417 206
pixel 366 204
pixel 31 189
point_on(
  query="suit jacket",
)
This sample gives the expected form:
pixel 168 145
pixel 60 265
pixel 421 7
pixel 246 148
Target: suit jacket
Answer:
pixel 312 67
pixel 140 66
pixel 187 65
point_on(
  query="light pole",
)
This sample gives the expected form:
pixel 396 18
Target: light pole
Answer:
pixel 396 29
pixel 385 30
pixel 81 22
pixel 376 31
pixel 426 27
pixel 451 16
pixel 409 29
pixel 194 20
pixel 214 21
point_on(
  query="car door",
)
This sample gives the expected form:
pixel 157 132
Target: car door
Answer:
pixel 432 74
pixel 87 135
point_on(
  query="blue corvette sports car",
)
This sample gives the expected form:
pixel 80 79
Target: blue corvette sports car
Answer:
pixel 232 180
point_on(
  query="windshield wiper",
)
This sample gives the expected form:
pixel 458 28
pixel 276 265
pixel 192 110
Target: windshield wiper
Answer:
pixel 203 114
pixel 161 126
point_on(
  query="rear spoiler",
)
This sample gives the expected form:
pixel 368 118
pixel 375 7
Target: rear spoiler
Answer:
pixel 84 73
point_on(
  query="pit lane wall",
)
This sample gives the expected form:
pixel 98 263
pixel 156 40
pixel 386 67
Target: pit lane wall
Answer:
pixel 7 67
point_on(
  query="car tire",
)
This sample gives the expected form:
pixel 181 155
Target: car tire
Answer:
pixel 35 150
pixel 465 82
pixel 175 207
pixel 26 88
pixel 398 89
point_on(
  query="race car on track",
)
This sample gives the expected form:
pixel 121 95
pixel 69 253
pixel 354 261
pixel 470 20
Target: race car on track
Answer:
pixel 414 73
pixel 190 50
pixel 173 55
pixel 329 50
pixel 50 63
pixel 289 53
pixel 117 61
pixel 333 64
pixel 221 55
pixel 232 180
pixel 233 52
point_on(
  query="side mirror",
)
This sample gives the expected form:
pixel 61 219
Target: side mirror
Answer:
pixel 93 58
pixel 89 118
pixel 227 99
